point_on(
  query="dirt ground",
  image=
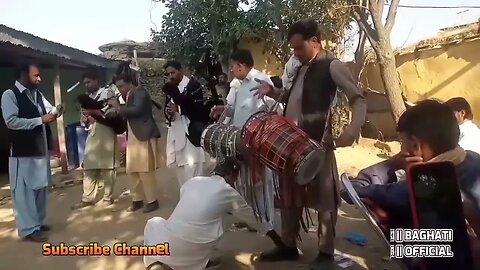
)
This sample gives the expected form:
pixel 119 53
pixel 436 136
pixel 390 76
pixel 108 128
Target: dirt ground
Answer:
pixel 114 224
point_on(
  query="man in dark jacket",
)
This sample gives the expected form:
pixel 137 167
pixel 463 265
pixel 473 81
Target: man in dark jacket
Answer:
pixel 188 116
pixel 145 152
pixel 429 133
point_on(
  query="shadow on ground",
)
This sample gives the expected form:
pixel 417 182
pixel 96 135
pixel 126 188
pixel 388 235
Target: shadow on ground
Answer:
pixel 110 225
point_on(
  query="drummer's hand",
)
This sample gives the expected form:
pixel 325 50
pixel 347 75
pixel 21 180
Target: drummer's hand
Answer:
pixel 347 138
pixel 262 89
pixel 216 111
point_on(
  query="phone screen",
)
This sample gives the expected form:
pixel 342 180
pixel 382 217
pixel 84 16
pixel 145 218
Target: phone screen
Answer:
pixel 437 204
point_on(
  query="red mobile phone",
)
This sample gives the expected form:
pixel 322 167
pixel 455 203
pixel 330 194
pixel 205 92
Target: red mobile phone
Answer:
pixel 436 203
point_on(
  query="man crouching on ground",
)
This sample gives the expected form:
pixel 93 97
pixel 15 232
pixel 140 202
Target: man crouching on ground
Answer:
pixel 195 227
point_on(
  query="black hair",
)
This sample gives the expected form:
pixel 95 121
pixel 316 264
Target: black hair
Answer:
pixel 308 28
pixel 432 122
pixel 91 75
pixel 226 166
pixel 277 82
pixel 174 64
pixel 127 78
pixel 223 74
pixel 24 67
pixel 459 104
pixel 243 56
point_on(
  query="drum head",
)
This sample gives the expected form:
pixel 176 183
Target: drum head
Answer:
pixel 310 166
pixel 209 138
pixel 362 208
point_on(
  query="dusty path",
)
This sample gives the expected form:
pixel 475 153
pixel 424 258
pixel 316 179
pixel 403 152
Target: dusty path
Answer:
pixel 113 224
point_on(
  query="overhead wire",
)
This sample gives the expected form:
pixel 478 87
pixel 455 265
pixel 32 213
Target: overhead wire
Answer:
pixel 434 7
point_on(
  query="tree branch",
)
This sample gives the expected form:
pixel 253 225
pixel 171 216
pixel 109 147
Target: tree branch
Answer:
pixel 376 16
pixel 380 5
pixel 361 17
pixel 392 13
pixel 360 53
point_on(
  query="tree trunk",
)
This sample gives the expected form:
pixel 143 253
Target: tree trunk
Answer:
pixel 391 83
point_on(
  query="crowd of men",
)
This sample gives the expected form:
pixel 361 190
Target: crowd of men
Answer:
pixel 311 78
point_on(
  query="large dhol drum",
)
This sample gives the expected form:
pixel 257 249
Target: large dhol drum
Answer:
pixel 220 140
pixel 282 146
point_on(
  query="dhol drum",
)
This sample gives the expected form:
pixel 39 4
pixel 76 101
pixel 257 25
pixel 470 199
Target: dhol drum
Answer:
pixel 220 140
pixel 282 146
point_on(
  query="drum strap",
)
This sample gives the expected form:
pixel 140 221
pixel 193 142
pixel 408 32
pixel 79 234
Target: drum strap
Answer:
pixel 277 102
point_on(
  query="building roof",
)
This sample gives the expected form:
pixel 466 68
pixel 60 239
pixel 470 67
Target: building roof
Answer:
pixel 123 50
pixel 450 35
pixel 18 42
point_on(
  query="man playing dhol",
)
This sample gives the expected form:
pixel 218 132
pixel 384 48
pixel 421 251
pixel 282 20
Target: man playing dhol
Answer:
pixel 308 103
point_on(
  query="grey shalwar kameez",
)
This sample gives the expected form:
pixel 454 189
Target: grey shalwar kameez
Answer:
pixel 29 176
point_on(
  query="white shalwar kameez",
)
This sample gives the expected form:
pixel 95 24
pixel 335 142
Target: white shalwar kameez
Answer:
pixel 187 159
pixel 195 227
pixel 244 105
pixel 29 176
pixel 469 134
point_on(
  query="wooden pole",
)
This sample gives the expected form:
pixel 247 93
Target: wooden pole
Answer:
pixel 135 60
pixel 60 126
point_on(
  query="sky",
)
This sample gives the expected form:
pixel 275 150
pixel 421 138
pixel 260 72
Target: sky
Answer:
pixel 87 24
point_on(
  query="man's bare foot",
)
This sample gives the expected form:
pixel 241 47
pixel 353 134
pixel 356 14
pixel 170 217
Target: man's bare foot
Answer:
pixel 107 202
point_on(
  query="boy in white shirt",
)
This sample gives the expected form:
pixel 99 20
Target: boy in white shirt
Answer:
pixel 241 105
pixel 469 132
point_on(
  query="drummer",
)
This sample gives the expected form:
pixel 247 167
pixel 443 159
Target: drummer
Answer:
pixel 314 84
pixel 244 105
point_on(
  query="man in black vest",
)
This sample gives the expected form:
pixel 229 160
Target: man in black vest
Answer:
pixel 27 113
pixel 189 116
pixel 307 104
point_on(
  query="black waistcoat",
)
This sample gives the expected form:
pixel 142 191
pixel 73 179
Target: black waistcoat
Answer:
pixel 318 93
pixel 28 143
